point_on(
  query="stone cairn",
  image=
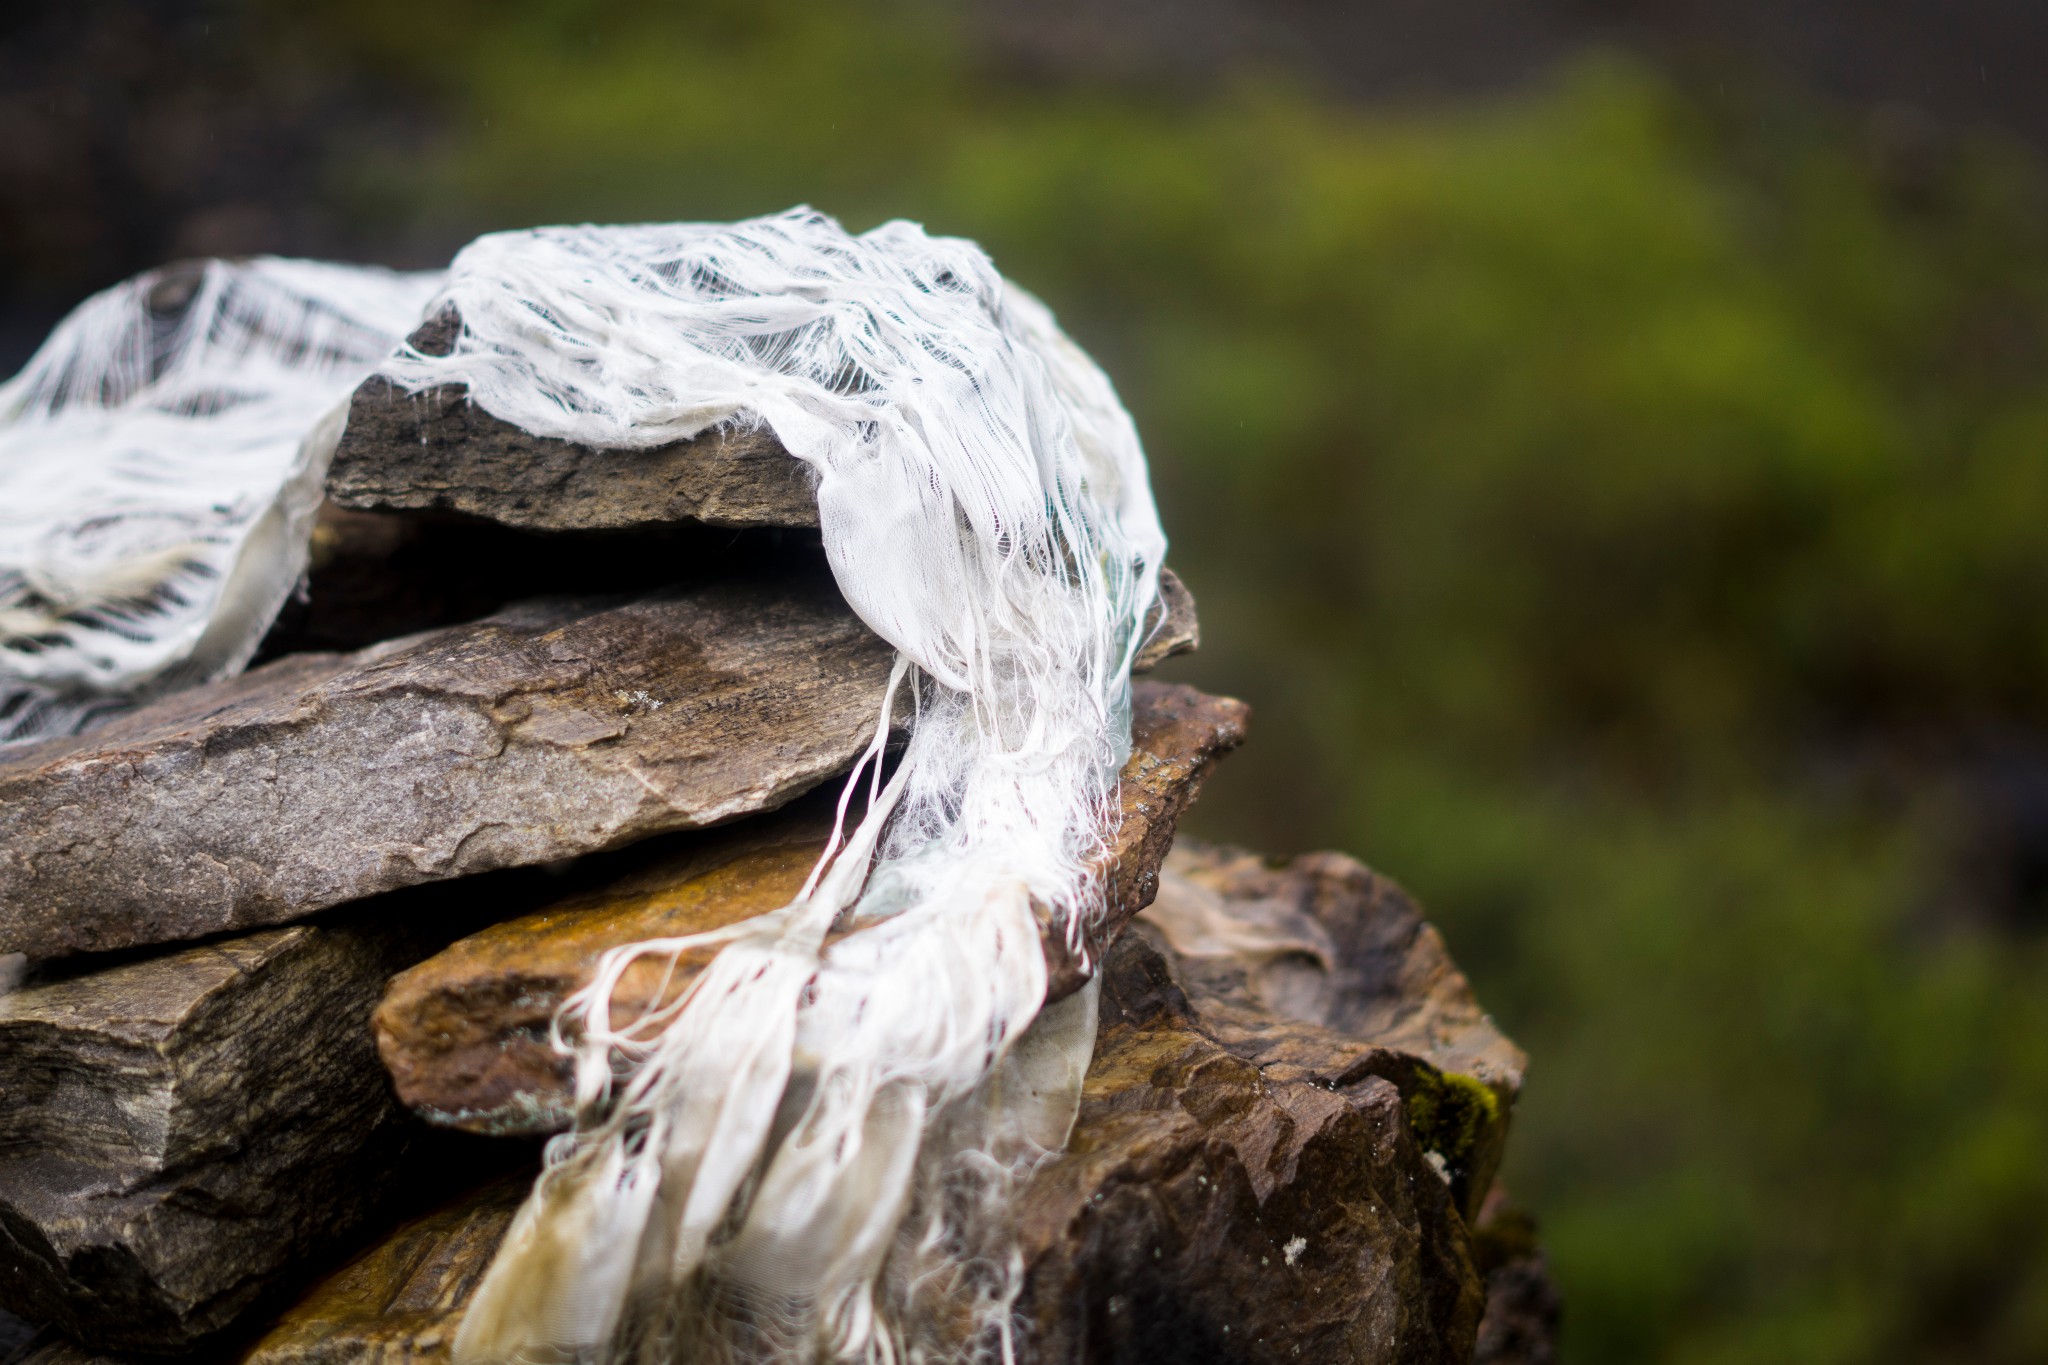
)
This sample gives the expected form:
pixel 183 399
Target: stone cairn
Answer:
pixel 294 943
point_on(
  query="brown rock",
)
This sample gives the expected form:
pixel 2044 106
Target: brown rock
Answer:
pixel 465 1034
pixel 399 1302
pixel 1523 1310
pixel 180 1132
pixel 1173 627
pixel 436 451
pixel 1177 736
pixel 1210 1209
pixel 553 729
pixel 1211 1206
pixel 1325 972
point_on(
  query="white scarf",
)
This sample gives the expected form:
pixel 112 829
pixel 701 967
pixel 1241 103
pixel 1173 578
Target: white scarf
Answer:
pixel 801 1155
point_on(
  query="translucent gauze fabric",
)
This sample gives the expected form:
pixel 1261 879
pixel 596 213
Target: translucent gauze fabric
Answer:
pixel 781 1140
pixel 808 1151
pixel 160 463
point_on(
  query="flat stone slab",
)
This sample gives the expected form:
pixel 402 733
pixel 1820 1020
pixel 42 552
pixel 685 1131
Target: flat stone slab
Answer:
pixel 466 1033
pixel 179 1133
pixel 435 450
pixel 553 729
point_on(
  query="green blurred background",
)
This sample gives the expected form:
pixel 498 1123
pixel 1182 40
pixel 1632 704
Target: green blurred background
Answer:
pixel 1610 453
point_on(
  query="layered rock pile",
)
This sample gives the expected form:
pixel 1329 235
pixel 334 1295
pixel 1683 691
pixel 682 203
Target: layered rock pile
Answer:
pixel 286 949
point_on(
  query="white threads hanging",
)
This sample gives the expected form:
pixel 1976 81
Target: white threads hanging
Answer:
pixel 743 1165
pixel 804 1157
pixel 160 462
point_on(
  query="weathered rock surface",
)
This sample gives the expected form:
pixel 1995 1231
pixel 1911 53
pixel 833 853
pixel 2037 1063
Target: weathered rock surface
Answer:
pixel 553 729
pixel 1173 627
pixel 1237 1188
pixel 1209 1208
pixel 436 451
pixel 179 1132
pixel 1324 972
pixel 399 1302
pixel 465 1034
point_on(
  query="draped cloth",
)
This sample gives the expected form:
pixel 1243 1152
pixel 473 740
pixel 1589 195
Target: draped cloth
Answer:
pixel 805 1155
pixel 160 463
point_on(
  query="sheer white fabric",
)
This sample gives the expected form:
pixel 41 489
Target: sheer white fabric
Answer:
pixel 806 1153
pixel 985 508
pixel 160 462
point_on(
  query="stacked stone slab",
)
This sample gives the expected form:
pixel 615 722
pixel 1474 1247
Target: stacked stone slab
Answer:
pixel 289 947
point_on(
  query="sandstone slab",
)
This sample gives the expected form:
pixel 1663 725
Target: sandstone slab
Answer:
pixel 555 728
pixel 435 450
pixel 466 1033
pixel 180 1132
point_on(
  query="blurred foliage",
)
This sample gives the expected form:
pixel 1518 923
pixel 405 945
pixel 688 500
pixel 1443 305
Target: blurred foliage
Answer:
pixel 1623 505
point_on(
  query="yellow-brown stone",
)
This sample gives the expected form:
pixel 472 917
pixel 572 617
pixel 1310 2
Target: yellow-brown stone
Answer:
pixel 400 1301
pixel 465 1034
pixel 1250 1177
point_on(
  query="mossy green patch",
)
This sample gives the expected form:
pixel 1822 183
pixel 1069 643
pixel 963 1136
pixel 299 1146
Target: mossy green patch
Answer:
pixel 1452 1115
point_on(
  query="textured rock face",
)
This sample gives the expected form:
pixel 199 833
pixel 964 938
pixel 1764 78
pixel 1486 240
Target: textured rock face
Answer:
pixel 399 1303
pixel 553 729
pixel 465 1033
pixel 1208 1209
pixel 376 575
pixel 1325 972
pixel 1237 1186
pixel 436 451
pixel 178 1132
